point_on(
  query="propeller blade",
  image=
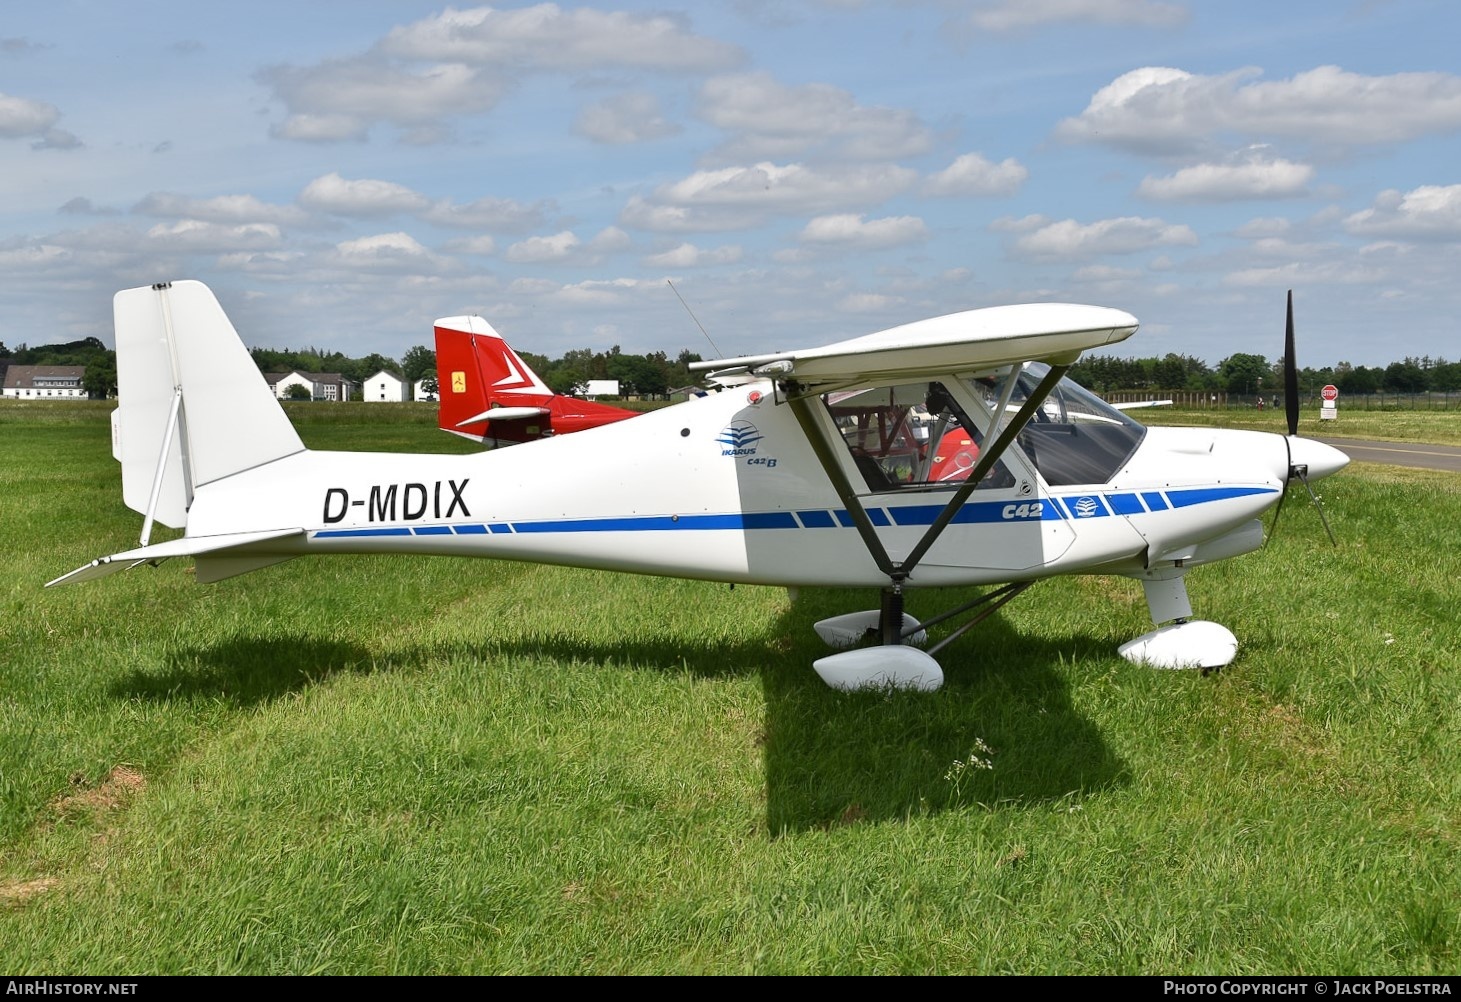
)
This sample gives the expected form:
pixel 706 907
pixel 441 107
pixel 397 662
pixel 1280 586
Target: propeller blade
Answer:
pixel 1299 471
pixel 1290 372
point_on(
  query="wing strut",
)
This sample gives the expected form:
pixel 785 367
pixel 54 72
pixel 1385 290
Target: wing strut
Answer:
pixel 986 461
pixel 797 397
pixel 172 424
pixel 845 491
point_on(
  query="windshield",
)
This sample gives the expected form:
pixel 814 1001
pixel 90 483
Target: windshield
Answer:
pixel 1075 437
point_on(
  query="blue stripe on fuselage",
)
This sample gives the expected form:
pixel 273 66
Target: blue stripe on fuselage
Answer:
pixel 1075 507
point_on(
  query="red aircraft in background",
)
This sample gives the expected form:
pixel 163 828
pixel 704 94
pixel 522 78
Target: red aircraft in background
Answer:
pixel 489 394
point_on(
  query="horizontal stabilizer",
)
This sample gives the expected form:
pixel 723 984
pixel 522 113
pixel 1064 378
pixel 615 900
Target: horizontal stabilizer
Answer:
pixel 188 546
pixel 505 414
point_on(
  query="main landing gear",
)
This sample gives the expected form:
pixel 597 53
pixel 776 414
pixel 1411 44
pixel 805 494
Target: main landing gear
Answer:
pixel 894 658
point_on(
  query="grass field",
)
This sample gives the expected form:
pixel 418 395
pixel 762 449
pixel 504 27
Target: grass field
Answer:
pixel 390 765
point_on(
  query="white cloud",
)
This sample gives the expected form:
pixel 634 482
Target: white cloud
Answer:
pixel 1125 235
pixel 334 194
pixel 33 257
pixel 851 230
pixel 341 99
pixel 282 264
pixel 501 214
pixel 198 235
pixel 1165 110
pixel 623 119
pixel 220 209
pixel 547 37
pixel 1230 182
pixel 21 116
pixel 604 292
pixel 742 197
pixel 566 247
pixel 678 219
pixel 382 248
pixel 1430 212
pixel 1024 224
pixel 1299 274
pixel 535 250
pixel 310 128
pixel 687 255
pixel 793 187
pixel 1008 15
pixel 770 119
pixel 609 239
pixel 971 174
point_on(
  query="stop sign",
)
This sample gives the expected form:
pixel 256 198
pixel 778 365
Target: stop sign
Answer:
pixel 1330 392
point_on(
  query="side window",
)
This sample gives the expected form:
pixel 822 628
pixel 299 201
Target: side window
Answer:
pixel 910 436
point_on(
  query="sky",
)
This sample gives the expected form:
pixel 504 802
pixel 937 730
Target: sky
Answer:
pixel 739 177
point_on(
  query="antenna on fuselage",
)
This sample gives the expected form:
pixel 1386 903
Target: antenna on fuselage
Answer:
pixel 693 317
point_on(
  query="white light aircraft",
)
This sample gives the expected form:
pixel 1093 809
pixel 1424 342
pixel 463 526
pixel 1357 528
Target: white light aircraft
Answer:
pixel 803 470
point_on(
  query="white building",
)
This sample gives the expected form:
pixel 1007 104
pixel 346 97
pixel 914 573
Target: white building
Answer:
pixel 384 386
pixel 422 393
pixel 601 388
pixel 321 385
pixel 45 382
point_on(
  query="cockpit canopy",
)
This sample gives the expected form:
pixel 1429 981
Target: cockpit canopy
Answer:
pixel 927 435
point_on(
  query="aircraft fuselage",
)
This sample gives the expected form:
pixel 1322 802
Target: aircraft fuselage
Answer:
pixel 727 487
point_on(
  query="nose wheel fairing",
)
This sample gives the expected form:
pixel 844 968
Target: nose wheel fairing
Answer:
pixel 1183 642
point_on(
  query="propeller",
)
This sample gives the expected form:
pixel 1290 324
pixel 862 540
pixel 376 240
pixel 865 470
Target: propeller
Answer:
pixel 1299 471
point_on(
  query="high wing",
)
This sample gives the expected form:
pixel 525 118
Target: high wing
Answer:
pixel 957 342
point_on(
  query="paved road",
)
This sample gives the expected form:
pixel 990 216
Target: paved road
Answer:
pixel 1431 457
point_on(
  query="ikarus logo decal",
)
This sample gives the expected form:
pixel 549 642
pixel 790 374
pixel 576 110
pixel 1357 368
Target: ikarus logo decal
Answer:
pixel 738 439
pixel 1085 507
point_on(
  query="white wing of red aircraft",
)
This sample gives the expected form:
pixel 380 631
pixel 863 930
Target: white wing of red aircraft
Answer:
pixel 946 452
pixel 488 394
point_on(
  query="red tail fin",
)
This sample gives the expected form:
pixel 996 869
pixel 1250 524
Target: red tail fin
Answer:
pixel 490 395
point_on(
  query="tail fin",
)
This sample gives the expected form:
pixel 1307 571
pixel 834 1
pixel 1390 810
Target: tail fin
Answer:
pixel 477 372
pixel 192 405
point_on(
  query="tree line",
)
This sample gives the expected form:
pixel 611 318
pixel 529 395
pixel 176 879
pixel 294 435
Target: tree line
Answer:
pixel 656 375
pixel 1254 375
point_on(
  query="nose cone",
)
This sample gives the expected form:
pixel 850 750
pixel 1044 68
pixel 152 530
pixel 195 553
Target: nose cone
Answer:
pixel 1322 460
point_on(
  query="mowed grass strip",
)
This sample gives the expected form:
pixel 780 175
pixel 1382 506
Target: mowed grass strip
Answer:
pixel 400 765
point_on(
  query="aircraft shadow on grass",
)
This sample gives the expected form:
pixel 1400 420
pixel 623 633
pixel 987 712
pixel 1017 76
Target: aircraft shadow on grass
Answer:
pixel 831 758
